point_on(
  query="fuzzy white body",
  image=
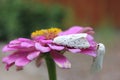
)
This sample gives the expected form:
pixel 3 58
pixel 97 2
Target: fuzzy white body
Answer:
pixel 73 40
pixel 98 60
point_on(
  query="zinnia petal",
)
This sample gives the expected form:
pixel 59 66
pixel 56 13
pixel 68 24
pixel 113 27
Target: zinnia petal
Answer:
pixel 26 44
pixel 33 55
pixel 22 61
pixel 6 48
pixel 60 60
pixel 16 41
pixel 55 47
pixel 91 41
pixel 46 41
pixel 90 52
pixel 41 48
pixel 72 30
pixel 74 50
pixel 11 58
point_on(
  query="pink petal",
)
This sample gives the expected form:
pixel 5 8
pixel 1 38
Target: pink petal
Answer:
pixel 16 41
pixel 26 44
pixel 13 57
pixel 10 59
pixel 19 40
pixel 46 41
pixel 7 60
pixel 72 30
pixel 88 30
pixel 74 50
pixel 38 46
pixel 22 61
pixel 55 47
pixel 13 45
pixel 90 38
pixel 6 48
pixel 89 52
pixel 33 55
pixel 91 41
pixel 60 60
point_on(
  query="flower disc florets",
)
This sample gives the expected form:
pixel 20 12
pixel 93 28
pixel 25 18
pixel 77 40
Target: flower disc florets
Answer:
pixel 47 33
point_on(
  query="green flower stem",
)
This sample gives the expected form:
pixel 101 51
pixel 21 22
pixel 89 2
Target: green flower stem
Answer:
pixel 51 67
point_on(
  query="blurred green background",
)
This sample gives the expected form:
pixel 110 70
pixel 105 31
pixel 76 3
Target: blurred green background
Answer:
pixel 18 18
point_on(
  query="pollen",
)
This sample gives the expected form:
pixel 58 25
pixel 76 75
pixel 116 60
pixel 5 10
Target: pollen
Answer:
pixel 47 33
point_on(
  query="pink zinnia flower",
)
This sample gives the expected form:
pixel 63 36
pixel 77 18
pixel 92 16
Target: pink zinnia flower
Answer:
pixel 42 43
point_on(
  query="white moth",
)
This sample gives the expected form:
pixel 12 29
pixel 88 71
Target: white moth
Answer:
pixel 73 40
pixel 98 60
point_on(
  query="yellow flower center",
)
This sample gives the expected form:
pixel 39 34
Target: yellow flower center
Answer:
pixel 47 33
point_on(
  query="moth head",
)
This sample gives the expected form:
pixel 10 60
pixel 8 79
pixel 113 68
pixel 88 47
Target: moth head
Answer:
pixel 101 48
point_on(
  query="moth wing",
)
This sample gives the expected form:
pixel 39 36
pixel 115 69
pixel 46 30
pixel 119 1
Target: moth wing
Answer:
pixel 73 40
pixel 79 43
pixel 61 40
